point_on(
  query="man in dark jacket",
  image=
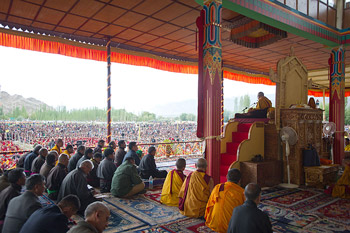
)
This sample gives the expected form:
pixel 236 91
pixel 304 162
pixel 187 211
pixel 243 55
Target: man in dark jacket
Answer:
pixel 56 176
pixel 21 208
pixel 87 156
pixel 98 148
pixel 92 178
pixel 119 157
pixel 73 161
pixel 49 164
pixel 52 218
pixel 148 165
pixel 75 183
pixel 96 219
pixel 4 182
pixel 16 178
pixel 20 162
pixel 39 160
pixel 106 170
pixel 30 158
pixel 132 153
pixel 247 218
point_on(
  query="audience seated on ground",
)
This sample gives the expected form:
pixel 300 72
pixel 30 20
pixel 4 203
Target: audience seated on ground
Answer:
pixel 75 158
pixel 17 179
pixel 39 161
pixel 96 219
pixel 22 207
pixel 148 165
pixel 75 183
pixel 87 156
pixel 4 183
pixel 248 218
pixel 195 191
pixel 99 147
pixel 119 157
pixel 223 199
pixel 132 153
pixel 58 146
pixel 56 176
pixel 52 218
pixel 173 183
pixel 30 158
pixel 126 181
pixel 69 150
pixel 92 178
pixel 105 170
pixel 49 164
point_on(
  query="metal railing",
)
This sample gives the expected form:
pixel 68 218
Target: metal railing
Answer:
pixel 8 159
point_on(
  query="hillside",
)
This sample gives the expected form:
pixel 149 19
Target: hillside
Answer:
pixel 9 102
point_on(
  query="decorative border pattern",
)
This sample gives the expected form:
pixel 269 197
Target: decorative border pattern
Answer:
pixel 278 15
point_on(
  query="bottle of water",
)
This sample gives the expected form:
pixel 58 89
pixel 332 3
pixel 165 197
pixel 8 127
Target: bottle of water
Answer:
pixel 150 182
pixel 317 104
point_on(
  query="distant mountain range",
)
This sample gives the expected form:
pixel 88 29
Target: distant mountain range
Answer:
pixel 190 106
pixel 10 102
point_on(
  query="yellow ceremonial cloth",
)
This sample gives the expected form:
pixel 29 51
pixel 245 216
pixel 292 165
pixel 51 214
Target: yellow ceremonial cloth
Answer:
pixel 67 153
pixel 263 103
pixel 342 187
pixel 221 204
pixel 167 198
pixel 197 195
pixel 347 148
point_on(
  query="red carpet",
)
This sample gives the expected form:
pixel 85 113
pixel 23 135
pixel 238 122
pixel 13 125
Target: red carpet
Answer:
pixel 231 149
pixel 338 211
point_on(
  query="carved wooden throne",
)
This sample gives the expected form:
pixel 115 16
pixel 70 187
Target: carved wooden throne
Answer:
pixel 291 83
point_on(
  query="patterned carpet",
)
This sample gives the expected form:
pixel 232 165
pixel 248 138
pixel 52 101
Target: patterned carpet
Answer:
pixel 290 210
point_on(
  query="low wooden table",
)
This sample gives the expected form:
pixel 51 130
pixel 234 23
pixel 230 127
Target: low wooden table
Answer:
pixel 266 173
pixel 320 176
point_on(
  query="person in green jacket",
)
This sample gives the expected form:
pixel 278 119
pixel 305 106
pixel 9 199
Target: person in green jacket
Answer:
pixel 126 181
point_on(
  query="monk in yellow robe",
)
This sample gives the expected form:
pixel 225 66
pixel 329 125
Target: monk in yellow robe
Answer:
pixel 195 191
pixel 347 144
pixel 68 151
pixel 342 187
pixel 263 102
pixel 173 183
pixel 224 198
pixel 58 146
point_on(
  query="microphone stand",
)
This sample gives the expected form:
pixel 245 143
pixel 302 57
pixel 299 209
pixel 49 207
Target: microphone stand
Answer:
pixel 248 107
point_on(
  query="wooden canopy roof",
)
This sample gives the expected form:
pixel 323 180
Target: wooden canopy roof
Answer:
pixel 163 30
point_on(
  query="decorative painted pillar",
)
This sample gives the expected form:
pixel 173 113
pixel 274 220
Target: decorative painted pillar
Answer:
pixel 210 81
pixel 109 121
pixel 336 99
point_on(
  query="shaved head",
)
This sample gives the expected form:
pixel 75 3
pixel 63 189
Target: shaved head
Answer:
pixel 201 163
pixel 252 191
pixel 180 164
pixel 63 158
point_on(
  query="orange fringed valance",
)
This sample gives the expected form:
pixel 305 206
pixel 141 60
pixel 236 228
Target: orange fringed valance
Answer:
pixel 319 93
pixel 60 46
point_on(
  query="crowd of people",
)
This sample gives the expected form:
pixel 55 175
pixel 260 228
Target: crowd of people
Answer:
pixel 89 133
pixel 74 180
